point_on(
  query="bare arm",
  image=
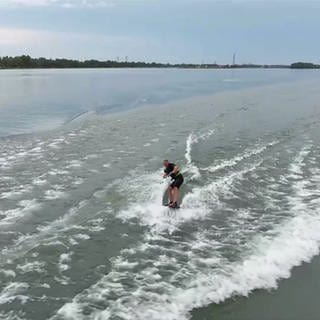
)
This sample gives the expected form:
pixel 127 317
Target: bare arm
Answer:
pixel 175 169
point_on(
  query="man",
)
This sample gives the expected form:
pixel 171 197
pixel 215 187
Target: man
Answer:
pixel 170 169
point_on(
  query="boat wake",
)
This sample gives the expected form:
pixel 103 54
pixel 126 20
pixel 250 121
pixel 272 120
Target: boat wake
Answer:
pixel 182 263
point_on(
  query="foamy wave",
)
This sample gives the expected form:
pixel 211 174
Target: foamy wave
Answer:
pixel 64 260
pixel 272 261
pixel 146 204
pixel 36 266
pixel 245 155
pixel 55 194
pixel 47 233
pixel 8 273
pixel 191 140
pixel 56 143
pixel 13 291
pixel 25 207
pixel 74 164
pixel 18 153
pixel 295 242
pixel 39 181
pixel 16 192
pixel 201 197
pixel 55 172
pixel 296 167
pixel 198 273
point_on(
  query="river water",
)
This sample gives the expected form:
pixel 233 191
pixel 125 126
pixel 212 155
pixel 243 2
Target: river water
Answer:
pixel 83 233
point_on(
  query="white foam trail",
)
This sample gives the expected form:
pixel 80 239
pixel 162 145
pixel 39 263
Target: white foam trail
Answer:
pixel 197 204
pixel 235 160
pixel 147 203
pixel 298 164
pixel 64 260
pixel 18 154
pixel 271 257
pixel 51 231
pixel 200 197
pixel 39 181
pixel 8 273
pixel 74 164
pixel 81 236
pixel 189 143
pixel 14 291
pixel 55 172
pixel 190 167
pixel 25 207
pixel 271 261
pixel 298 241
pixel 36 266
pixel 191 140
pixel 55 194
pixel 16 192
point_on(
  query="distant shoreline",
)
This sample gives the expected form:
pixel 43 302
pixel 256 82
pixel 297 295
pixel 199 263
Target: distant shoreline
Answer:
pixel 27 62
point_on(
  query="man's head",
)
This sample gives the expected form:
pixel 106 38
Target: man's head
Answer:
pixel 165 163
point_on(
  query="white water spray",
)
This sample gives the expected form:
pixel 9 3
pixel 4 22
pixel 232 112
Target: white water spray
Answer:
pixel 191 140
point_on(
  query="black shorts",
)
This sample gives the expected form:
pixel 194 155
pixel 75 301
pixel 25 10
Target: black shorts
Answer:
pixel 177 182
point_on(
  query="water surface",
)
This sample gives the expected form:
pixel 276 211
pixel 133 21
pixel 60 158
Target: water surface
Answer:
pixel 83 233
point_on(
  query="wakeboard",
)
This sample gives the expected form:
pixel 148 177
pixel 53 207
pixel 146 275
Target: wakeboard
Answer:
pixel 165 205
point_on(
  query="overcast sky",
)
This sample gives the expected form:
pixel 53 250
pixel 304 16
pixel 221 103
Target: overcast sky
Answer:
pixel 270 31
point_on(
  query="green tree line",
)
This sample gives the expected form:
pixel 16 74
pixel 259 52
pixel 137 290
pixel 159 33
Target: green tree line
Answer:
pixel 304 65
pixel 25 62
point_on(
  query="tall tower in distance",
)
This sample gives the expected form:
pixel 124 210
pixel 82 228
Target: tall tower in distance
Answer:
pixel 234 59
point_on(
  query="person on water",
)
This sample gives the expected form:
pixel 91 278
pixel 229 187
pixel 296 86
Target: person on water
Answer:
pixel 170 169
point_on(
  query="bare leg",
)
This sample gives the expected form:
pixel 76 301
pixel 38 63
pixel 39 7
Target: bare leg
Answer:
pixel 170 194
pixel 175 194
